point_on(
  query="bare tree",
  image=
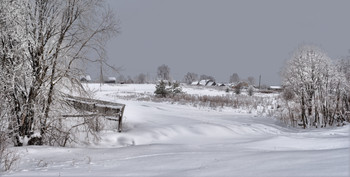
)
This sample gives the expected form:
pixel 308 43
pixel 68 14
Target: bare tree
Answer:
pixel 238 89
pixel 250 90
pixel 129 80
pixel 163 72
pixel 141 78
pixel 234 78
pixel 251 80
pixel 121 79
pixel 190 77
pixel 42 45
pixel 206 77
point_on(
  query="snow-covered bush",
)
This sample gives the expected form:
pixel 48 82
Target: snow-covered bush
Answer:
pixel 167 89
pixel 250 90
pixel 161 89
pixel 238 89
pixel 175 89
pixel 8 158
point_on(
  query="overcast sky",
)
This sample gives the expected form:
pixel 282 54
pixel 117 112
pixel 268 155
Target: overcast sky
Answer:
pixel 221 37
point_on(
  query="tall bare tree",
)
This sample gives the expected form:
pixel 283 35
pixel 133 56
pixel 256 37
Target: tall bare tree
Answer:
pixel 190 77
pixel 206 77
pixel 163 72
pixel 251 80
pixel 234 78
pixel 141 78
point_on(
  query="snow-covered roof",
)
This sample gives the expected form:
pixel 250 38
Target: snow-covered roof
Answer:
pixel 165 81
pixel 85 78
pixel 112 78
pixel 88 78
pixel 195 83
pixel 203 82
pixel 210 83
pixel 220 84
pixel 275 87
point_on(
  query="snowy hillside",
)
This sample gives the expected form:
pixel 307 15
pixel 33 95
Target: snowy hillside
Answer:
pixel 163 139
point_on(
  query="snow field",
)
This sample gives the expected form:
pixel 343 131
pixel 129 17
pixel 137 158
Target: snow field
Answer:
pixel 162 139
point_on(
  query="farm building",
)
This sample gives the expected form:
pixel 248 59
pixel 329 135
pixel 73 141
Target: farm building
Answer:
pixel 195 83
pixel 275 88
pixel 111 80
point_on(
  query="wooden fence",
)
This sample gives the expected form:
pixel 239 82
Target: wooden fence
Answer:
pixel 92 107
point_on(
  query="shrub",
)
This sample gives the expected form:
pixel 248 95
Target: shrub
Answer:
pixel 250 90
pixel 8 158
pixel 161 90
pixel 238 89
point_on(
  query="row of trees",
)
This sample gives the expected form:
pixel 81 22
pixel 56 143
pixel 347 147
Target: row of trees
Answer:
pixel 316 88
pixel 139 79
pixel 163 73
pixel 42 44
pixel 234 78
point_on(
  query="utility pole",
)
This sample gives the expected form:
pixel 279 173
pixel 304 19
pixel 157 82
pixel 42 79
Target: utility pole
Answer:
pixel 259 81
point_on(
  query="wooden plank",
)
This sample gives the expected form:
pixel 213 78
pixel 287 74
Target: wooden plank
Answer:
pixel 82 115
pixel 91 115
pixel 95 107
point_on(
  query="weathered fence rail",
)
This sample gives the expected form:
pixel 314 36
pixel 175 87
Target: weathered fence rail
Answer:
pixel 92 107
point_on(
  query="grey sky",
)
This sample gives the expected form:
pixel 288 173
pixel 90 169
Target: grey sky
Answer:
pixel 221 37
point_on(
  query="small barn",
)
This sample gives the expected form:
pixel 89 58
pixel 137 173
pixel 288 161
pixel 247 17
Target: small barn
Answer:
pixel 275 88
pixel 220 84
pixel 111 80
pixel 195 83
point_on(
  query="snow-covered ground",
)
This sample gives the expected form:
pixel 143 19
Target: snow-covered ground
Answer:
pixel 163 139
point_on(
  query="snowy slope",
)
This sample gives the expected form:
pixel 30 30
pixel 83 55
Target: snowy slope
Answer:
pixel 162 139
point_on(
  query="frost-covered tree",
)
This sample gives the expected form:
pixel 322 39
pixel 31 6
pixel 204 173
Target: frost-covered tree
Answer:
pixel 251 80
pixel 250 90
pixel 190 77
pixel 141 78
pixel 129 80
pixel 42 44
pixel 238 89
pixel 344 67
pixel 317 85
pixel 234 78
pixel 121 79
pixel 163 72
pixel 206 77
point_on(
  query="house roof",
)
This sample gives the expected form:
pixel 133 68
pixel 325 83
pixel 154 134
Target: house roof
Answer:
pixel 275 87
pixel 195 83
pixel 203 82
pixel 112 78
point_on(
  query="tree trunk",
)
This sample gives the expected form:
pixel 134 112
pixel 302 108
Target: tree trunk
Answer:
pixel 303 111
pixel 317 117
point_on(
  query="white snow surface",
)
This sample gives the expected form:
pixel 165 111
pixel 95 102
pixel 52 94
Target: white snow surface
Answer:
pixel 163 139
